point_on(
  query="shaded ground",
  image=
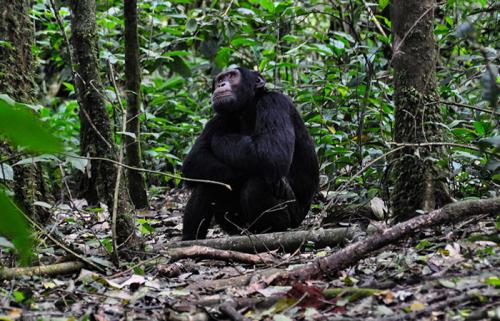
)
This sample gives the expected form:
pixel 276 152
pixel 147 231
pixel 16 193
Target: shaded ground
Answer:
pixel 450 273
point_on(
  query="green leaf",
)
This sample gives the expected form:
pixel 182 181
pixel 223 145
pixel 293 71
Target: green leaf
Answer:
pixel 291 38
pixel 6 172
pixel 191 25
pixel 77 162
pixel 42 158
pixel 14 226
pixel 243 42
pixel 423 244
pixel 493 280
pixel 179 53
pixel 479 127
pixel 268 5
pixel 179 66
pixel 382 4
pixel 69 86
pixel 246 11
pixel 22 128
pixel 323 49
pixel 222 57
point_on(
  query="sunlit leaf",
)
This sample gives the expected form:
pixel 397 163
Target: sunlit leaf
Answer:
pixel 13 226
pixel 22 128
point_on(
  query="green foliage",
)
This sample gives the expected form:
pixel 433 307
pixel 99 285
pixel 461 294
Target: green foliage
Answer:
pixel 19 124
pixel 14 226
pixel 332 58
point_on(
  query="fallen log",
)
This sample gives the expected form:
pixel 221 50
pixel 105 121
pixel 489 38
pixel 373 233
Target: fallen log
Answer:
pixel 356 251
pixel 287 241
pixel 351 254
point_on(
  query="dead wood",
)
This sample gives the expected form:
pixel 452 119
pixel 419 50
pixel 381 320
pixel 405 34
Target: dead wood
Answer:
pixel 353 253
pixel 53 269
pixel 356 251
pixel 204 252
pixel 287 241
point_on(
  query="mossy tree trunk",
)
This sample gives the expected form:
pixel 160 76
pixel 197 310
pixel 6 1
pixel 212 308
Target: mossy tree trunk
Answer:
pixel 420 181
pixel 16 80
pixel 136 185
pixel 96 139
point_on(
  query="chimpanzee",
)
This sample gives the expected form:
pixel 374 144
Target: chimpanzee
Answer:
pixel 258 144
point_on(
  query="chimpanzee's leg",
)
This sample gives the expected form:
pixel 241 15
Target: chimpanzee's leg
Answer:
pixel 268 207
pixel 205 201
pixel 228 212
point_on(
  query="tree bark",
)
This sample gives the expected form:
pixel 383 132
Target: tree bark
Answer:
pixel 136 185
pixel 16 80
pixel 95 131
pixel 420 182
pixel 96 139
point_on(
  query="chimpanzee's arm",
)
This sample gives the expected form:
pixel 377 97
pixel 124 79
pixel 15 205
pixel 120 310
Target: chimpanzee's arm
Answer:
pixel 201 162
pixel 268 151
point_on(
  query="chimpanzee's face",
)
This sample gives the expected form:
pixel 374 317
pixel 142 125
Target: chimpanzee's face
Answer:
pixel 225 91
pixel 234 89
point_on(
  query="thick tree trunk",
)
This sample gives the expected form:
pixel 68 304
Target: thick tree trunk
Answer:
pixel 420 182
pixel 16 80
pixel 95 133
pixel 136 186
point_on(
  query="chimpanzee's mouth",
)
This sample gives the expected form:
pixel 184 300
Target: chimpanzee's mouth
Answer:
pixel 223 98
pixel 224 94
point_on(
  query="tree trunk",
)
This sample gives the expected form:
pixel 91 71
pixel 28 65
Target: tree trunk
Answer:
pixel 136 186
pixel 16 80
pixel 95 132
pixel 96 139
pixel 420 182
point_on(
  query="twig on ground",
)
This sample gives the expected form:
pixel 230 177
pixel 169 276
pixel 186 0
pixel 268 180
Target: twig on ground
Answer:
pixel 204 252
pixel 53 269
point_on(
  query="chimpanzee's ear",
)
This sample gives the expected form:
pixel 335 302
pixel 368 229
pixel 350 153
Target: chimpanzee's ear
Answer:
pixel 260 81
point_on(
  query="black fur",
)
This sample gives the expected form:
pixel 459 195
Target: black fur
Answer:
pixel 260 147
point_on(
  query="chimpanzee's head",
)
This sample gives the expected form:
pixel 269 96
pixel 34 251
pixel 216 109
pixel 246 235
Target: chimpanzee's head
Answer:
pixel 235 89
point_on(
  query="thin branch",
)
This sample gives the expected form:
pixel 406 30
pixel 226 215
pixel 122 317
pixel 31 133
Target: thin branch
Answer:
pixel 205 252
pixel 228 7
pixel 361 171
pixel 65 37
pixel 119 169
pixel 75 208
pixel 436 144
pixel 493 112
pixel 151 171
pixel 375 20
pixel 61 244
pixel 491 8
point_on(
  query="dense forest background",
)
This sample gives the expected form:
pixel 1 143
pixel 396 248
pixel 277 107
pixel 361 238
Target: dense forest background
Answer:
pixel 401 99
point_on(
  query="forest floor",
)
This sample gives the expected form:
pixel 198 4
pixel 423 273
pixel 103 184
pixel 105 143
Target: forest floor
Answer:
pixel 445 273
